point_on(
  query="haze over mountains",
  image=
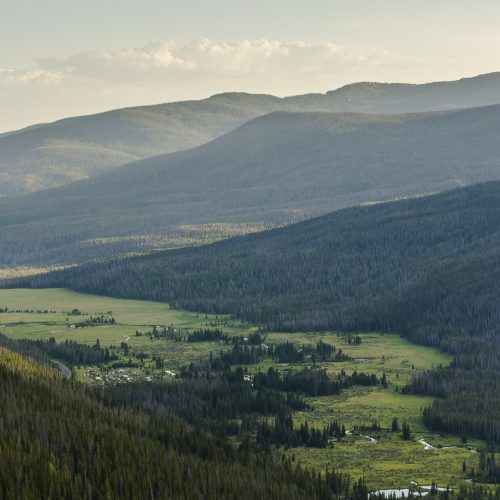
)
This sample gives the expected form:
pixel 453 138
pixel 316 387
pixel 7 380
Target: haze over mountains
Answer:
pixel 274 170
pixel 49 155
pixel 427 268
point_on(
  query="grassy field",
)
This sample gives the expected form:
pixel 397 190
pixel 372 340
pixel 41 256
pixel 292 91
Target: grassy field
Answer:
pixel 127 312
pixel 390 462
pixel 378 353
pixel 130 316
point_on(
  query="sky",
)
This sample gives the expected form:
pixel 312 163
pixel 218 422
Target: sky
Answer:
pixel 62 58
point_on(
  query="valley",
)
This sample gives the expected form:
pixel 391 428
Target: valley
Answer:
pixel 249 250
pixel 382 457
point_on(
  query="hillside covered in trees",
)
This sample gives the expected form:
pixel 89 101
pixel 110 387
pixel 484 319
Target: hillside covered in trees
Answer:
pixel 405 264
pixel 428 268
pixel 62 440
pixel 53 154
pixel 277 169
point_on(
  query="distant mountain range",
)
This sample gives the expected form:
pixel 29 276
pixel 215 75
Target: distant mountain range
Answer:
pixel 427 267
pixel 49 155
pixel 274 170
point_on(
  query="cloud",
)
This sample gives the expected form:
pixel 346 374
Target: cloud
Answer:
pixel 206 58
pixel 32 76
pixel 93 81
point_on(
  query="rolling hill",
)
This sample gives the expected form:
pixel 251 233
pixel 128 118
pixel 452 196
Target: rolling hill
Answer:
pixel 61 439
pixel 274 170
pixel 410 265
pixel 428 268
pixel 49 155
pixel 54 154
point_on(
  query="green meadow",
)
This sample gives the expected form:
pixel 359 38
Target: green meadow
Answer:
pixel 130 316
pixel 388 462
pixel 127 312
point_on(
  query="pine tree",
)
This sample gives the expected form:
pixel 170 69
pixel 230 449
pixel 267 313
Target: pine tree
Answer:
pixel 395 425
pixel 406 435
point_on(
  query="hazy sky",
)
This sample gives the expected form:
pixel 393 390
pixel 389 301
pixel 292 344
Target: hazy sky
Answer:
pixel 66 57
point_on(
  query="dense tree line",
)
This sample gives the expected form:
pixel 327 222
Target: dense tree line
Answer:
pixel 215 396
pixel 68 351
pixel 428 268
pixel 211 401
pixel 207 335
pixel 282 352
pixel 282 432
pixel 353 340
pixel 488 469
pixel 76 439
pixel 61 440
pixel 412 266
pixel 311 381
pixel 26 311
pixel 470 405
pixel 29 349
pixel 287 352
pixel 72 352
pixel 243 355
pixel 96 321
pixel 476 492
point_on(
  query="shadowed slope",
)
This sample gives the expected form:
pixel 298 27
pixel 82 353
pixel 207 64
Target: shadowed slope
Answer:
pixel 49 155
pixel 274 170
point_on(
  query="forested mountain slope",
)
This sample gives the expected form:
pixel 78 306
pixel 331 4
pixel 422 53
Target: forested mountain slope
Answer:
pixel 50 155
pixel 53 154
pixel 277 169
pixel 428 268
pixel 60 440
pixel 416 265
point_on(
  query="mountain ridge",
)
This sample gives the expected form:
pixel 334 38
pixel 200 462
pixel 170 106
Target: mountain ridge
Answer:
pixel 359 266
pixel 47 155
pixel 426 268
pixel 271 171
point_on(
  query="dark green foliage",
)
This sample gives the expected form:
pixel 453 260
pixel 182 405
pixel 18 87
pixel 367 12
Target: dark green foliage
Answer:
pixel 488 469
pixel 475 492
pixel 272 171
pixel 354 340
pixel 283 433
pixel 313 382
pixel 72 352
pixel 425 267
pixel 59 440
pixel 471 404
pixel 95 321
pixel 69 351
pixel 406 431
pixel 211 403
pixel 48 155
pixel 209 395
pixel 124 348
pixel 243 355
pixel 395 425
pixel 286 352
pixel 428 268
pixel 374 427
pixel 207 335
pixel 30 349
